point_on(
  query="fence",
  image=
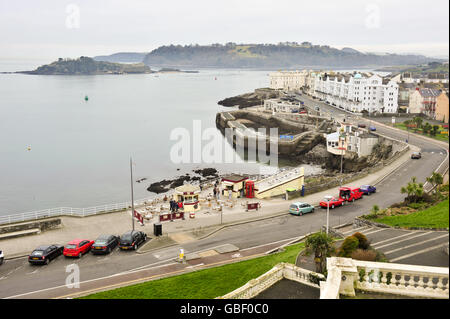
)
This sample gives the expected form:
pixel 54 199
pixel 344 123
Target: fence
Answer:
pixel 83 212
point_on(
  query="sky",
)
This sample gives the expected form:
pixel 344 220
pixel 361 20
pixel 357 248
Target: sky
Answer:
pixel 48 29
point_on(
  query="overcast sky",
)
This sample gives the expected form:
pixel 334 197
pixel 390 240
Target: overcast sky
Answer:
pixel 49 29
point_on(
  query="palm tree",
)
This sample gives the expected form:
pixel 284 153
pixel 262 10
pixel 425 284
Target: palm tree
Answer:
pixel 435 180
pixel 413 189
pixel 322 246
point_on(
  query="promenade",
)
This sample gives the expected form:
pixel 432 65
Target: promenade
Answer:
pixel 178 231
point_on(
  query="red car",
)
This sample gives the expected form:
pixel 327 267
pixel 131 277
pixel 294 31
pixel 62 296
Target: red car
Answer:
pixel 77 248
pixel 334 202
pixel 350 194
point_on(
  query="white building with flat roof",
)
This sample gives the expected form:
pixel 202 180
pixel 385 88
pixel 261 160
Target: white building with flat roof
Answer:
pixel 277 105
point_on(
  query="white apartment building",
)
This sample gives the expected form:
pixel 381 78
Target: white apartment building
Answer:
pixel 287 80
pixel 357 93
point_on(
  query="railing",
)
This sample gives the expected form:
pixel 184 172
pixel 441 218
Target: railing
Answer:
pixel 346 275
pixel 282 270
pixel 409 280
pixel 83 212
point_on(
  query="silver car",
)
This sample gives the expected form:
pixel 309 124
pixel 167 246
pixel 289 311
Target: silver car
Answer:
pixel 1 257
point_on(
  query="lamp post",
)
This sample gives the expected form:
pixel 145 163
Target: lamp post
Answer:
pixel 327 199
pixel 132 195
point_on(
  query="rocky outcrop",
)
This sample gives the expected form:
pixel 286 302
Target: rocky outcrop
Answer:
pixel 250 99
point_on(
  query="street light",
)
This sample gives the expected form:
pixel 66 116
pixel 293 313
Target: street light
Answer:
pixel 327 199
pixel 132 195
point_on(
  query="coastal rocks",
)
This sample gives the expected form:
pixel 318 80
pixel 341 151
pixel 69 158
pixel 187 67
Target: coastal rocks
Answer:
pixel 165 185
pixel 206 172
pixel 250 99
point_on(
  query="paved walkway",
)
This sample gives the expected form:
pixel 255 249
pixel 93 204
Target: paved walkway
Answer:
pixel 118 223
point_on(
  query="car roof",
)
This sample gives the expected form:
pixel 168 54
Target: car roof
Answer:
pixel 75 241
pixel 103 237
pixel 298 203
pixel 43 247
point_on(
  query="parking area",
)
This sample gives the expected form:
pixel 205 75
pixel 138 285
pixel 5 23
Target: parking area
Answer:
pixel 413 247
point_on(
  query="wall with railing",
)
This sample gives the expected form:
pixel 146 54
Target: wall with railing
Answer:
pixel 282 270
pixel 346 275
pixel 88 211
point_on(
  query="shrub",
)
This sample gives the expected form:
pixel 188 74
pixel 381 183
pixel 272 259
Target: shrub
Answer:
pixel 363 241
pixel 349 245
pixel 365 255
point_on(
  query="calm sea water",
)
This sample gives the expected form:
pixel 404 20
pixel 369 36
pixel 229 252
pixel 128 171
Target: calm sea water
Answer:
pixel 80 150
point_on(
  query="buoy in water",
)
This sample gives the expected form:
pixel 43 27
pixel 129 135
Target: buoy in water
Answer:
pixel 86 98
pixel 29 148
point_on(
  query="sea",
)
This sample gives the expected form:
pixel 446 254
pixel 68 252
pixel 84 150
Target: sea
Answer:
pixel 66 141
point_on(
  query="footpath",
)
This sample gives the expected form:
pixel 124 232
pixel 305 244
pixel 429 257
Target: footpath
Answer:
pixel 179 231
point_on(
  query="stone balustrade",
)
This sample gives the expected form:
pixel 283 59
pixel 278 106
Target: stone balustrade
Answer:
pixel 282 270
pixel 399 279
pixel 408 280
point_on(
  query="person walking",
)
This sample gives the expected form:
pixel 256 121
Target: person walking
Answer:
pixel 215 192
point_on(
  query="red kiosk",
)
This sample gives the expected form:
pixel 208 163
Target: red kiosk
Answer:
pixel 250 189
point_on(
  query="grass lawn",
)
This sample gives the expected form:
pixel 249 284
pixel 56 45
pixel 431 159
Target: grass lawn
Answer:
pixel 438 136
pixel 433 217
pixel 203 284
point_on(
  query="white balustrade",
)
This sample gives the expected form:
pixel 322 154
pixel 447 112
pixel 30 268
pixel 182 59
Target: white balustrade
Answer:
pixel 399 279
pixel 283 270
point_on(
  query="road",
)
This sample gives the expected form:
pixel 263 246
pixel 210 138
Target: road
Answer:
pixel 18 279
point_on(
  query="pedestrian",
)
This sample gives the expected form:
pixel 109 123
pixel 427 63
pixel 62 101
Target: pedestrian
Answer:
pixel 215 192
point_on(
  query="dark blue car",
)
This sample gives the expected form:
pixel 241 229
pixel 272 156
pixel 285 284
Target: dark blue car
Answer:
pixel 368 189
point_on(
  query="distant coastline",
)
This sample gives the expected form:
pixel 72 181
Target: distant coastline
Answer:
pixel 88 66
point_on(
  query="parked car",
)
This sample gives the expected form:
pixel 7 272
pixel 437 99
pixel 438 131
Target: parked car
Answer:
pixel 334 202
pixel 349 194
pixel 299 208
pixel 104 244
pixel 44 254
pixel 416 155
pixel 132 239
pixel 368 189
pixel 1 257
pixel 361 125
pixel 317 108
pixel 372 128
pixel 303 112
pixel 77 248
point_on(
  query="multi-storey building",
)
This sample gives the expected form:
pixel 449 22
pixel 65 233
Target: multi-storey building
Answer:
pixel 287 80
pixel 423 101
pixel 357 93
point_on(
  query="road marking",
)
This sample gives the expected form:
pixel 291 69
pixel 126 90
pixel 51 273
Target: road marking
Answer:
pixel 376 231
pixel 132 271
pixel 389 239
pixel 356 229
pixel 198 265
pixel 417 252
pixel 421 234
pixel 412 245
pixel 127 283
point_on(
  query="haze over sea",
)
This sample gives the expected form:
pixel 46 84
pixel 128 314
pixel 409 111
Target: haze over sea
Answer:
pixel 80 150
